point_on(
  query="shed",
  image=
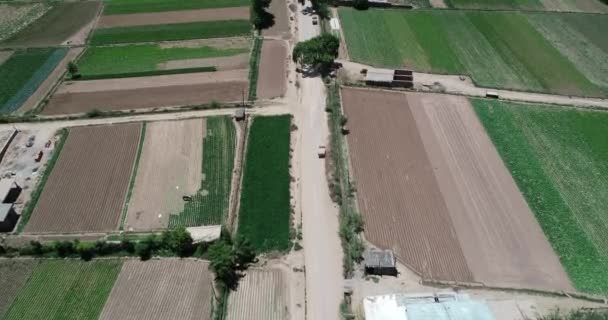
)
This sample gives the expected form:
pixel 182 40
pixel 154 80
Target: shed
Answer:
pixel 8 217
pixel 205 233
pixel 240 114
pixel 9 190
pixel 379 262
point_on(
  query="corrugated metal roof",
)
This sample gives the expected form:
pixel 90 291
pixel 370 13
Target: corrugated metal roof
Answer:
pixel 374 258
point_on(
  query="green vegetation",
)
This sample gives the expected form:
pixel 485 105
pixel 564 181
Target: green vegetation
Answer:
pixel 582 314
pixel 65 289
pixel 30 205
pixel 498 49
pixel 264 216
pixel 254 68
pixel 23 73
pixel 495 4
pixel 260 17
pixel 593 26
pixel 131 59
pixel 558 157
pixel 209 205
pixel 178 31
pixel 146 73
pixel 13 275
pixel 134 6
pixel 140 148
pixel 318 52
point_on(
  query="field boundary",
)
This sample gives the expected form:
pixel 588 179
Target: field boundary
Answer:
pixel 140 148
pixel 237 175
pixel 254 65
pixel 145 73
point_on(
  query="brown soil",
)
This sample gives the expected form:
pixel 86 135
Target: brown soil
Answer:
pixel 239 61
pixel 50 81
pixel 220 43
pixel 54 28
pixel 281 20
pixel 168 17
pixel 170 167
pixel 272 79
pixel 86 190
pixel 500 237
pixel 261 294
pixel 161 289
pixel 182 95
pixel 398 195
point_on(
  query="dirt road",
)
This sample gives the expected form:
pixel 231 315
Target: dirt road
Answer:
pixel 319 215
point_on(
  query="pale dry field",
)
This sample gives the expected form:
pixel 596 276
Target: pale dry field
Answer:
pixel 169 168
pixel 14 17
pixel 86 190
pixel 170 17
pixel 272 80
pixel 239 61
pixel 161 289
pixel 261 294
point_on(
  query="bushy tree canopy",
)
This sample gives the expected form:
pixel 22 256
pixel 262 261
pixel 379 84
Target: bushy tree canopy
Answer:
pixel 261 18
pixel 320 51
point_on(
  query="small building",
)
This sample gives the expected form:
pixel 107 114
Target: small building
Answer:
pixel 380 262
pixel 205 233
pixel 8 217
pixel 240 114
pixel 492 94
pixel 390 78
pixel 9 190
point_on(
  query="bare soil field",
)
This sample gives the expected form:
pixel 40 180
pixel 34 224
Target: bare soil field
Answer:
pixel 169 17
pixel 500 239
pixel 161 289
pixel 262 294
pixel 87 187
pixel 13 275
pixel 272 80
pixel 398 194
pixel 281 20
pixel 239 61
pixel 4 55
pixel 170 167
pixel 54 28
pixel 219 43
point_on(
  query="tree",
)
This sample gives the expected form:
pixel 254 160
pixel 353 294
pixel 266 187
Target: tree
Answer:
pixel 321 8
pixel 261 18
pixel 179 241
pixel 223 264
pixel 86 251
pixel 318 52
pixel 73 70
pixel 361 4
pixel 243 252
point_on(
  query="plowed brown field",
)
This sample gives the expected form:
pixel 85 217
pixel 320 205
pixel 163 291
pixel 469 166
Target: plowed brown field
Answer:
pixel 262 294
pixel 87 187
pixel 499 237
pixel 398 195
pixel 272 81
pixel 161 289
pixel 169 17
pixel 170 167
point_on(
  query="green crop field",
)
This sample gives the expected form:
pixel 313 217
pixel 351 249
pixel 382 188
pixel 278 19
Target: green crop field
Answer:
pixel 134 6
pixel 65 289
pixel 553 5
pixel 98 61
pixel 14 273
pixel 210 205
pixel 178 31
pixel 23 73
pixel 559 158
pixel 497 49
pixel 264 213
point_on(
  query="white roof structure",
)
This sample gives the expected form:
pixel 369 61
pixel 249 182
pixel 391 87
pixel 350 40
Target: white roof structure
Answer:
pixel 334 23
pixel 205 233
pixel 380 75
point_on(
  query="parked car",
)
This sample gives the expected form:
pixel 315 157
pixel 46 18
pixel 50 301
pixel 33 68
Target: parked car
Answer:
pixel 315 20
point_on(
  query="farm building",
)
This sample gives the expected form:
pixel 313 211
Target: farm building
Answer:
pixel 8 217
pixel 9 190
pixel 389 78
pixel 205 233
pixel 447 305
pixel 6 137
pixel 379 262
pixel 240 114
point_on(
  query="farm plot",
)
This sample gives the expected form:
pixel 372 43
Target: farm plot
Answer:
pixel 87 187
pixel 13 276
pixel 558 158
pixel 280 28
pixel 65 289
pixel 148 92
pixel 116 61
pixel 272 80
pixel 262 294
pixel 177 31
pixel 550 5
pixel 161 289
pixel 135 6
pixel 498 49
pixel 480 210
pixel 169 17
pixel 209 204
pixel 169 168
pixel 53 28
pixel 264 213
pixel 22 74
pixel 16 16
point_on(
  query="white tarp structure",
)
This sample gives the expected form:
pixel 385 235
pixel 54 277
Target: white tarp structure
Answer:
pixel 205 233
pixel 334 23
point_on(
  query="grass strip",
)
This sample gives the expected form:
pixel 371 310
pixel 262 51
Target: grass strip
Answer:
pixel 145 73
pixel 178 31
pixel 135 6
pixel 264 214
pixel 140 148
pixel 209 206
pixel 254 66
pixel 29 207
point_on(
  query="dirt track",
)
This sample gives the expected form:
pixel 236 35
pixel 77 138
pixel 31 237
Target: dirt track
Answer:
pixel 169 167
pixel 272 80
pixel 398 195
pixel 168 17
pixel 161 289
pixel 87 187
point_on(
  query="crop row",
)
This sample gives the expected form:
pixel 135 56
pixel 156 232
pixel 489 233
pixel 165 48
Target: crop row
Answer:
pixel 135 6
